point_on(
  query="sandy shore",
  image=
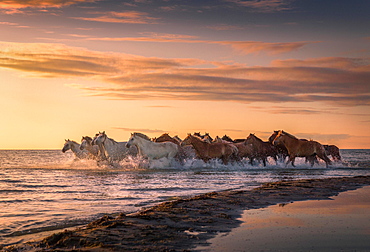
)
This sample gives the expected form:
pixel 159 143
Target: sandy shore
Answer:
pixel 184 224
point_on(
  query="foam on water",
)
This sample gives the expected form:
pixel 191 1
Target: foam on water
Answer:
pixel 45 190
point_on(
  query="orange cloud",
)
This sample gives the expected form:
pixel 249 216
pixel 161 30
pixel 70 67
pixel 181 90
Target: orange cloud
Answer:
pixel 249 47
pixel 133 77
pixel 127 17
pixel 21 4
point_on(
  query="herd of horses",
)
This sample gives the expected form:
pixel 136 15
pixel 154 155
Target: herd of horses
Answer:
pixel 280 146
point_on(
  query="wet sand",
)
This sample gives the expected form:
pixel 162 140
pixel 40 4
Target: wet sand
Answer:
pixel 339 224
pixel 188 223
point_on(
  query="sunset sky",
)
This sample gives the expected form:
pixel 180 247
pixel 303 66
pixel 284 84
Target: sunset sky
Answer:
pixel 70 68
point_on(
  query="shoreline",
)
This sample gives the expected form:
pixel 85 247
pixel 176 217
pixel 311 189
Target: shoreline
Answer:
pixel 186 223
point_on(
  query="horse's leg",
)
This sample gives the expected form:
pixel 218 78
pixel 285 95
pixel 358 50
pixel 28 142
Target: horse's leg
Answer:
pixel 291 160
pixel 264 161
pixel 325 158
pixel 224 159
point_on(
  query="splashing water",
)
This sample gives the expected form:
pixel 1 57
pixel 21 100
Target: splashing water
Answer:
pixel 46 190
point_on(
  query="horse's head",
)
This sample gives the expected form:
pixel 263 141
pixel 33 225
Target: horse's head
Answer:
pixel 278 137
pixel 227 138
pixel 67 145
pixel 85 141
pixel 273 136
pixel 187 140
pixel 132 140
pixel 100 138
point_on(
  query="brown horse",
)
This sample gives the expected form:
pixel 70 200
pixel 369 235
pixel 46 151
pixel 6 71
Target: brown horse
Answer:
pixel 166 138
pixel 207 151
pixel 228 139
pixel 280 148
pixel 262 150
pixel 301 148
pixel 333 151
pixel 244 150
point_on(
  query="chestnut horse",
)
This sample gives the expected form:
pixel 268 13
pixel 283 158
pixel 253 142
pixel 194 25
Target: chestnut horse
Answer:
pixel 244 150
pixel 166 138
pixel 207 151
pixel 262 149
pixel 333 151
pixel 280 148
pixel 301 148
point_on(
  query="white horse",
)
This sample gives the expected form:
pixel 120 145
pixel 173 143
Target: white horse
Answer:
pixel 152 150
pixel 86 144
pixel 75 148
pixel 112 150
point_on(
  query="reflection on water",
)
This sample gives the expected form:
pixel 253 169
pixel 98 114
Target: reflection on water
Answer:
pixel 341 224
pixel 46 189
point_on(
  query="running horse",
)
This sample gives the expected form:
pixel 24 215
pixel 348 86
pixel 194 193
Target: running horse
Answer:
pixel 262 150
pixel 150 149
pixel 112 150
pixel 75 148
pixel 86 144
pixel 165 137
pixel 207 151
pixel 280 148
pixel 333 151
pixel 301 148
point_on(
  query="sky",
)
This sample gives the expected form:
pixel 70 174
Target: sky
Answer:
pixel 72 68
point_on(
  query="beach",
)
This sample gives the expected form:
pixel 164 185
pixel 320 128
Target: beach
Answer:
pixel 188 222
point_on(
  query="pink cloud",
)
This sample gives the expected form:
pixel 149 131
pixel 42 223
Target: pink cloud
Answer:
pixel 250 47
pixel 127 17
pixel 21 4
pixel 127 77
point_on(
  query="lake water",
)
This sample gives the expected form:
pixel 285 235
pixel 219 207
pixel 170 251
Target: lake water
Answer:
pixel 46 190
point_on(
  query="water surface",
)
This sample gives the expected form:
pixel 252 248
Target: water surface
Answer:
pixel 43 190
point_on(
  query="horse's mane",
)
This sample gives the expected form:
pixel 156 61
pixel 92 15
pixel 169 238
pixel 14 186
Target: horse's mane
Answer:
pixel 258 139
pixel 141 135
pixel 87 138
pixel 290 135
pixel 73 141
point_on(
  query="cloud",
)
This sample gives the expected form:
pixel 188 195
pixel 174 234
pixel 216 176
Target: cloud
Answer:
pixel 337 81
pixel 224 27
pixel 125 17
pixel 264 5
pixel 16 6
pixel 246 47
pixel 249 47
pixel 150 131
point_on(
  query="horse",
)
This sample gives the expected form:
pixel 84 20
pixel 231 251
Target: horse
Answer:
pixel 244 150
pixel 228 139
pixel 112 150
pixel 165 137
pixel 301 148
pixel 262 149
pixel 207 151
pixel 333 151
pixel 220 140
pixel 86 143
pixel 75 148
pixel 280 148
pixel 150 149
pixel 206 137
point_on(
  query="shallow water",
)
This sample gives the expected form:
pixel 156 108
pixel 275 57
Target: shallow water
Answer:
pixel 43 190
pixel 340 224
